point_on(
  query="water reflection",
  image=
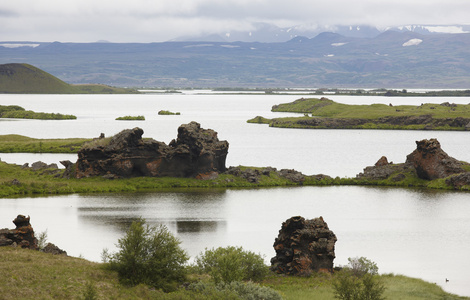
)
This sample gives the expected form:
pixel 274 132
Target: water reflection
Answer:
pixel 198 226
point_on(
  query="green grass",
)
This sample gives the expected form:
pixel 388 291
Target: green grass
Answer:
pixel 46 183
pixel 13 143
pixel 29 274
pixel 319 286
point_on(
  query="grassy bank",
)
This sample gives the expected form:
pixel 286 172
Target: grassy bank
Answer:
pixel 15 181
pixel 29 274
pixel 13 143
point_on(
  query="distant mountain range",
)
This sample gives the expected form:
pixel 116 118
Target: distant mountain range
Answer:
pixel 268 33
pixel 399 58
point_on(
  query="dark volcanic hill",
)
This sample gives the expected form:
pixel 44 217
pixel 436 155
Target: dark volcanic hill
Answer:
pixel 390 60
pixel 16 78
pixel 24 78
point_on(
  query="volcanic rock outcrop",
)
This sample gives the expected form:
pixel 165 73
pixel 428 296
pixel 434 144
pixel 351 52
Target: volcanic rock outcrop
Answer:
pixel 304 246
pixel 196 151
pixel 428 161
pixel 431 162
pixel 22 235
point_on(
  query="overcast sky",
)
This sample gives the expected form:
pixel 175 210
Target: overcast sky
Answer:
pixel 162 20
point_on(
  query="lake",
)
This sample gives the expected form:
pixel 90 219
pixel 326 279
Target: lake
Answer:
pixel 418 233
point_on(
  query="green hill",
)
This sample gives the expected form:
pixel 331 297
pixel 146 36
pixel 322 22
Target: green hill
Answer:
pixel 27 79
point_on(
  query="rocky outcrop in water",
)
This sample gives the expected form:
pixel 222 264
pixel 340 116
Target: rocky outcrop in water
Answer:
pixel 431 162
pixel 254 175
pixel 196 151
pixel 22 236
pixel 304 246
pixel 428 162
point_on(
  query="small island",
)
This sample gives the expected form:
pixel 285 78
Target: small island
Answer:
pixel 326 114
pixel 131 118
pixel 18 112
pixel 168 113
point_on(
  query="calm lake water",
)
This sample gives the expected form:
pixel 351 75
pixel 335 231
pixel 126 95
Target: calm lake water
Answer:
pixel 424 234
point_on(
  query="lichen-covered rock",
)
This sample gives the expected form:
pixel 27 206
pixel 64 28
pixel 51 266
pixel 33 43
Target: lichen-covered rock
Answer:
pixel 22 235
pixel 459 180
pixel 195 151
pixel 304 246
pixel 431 162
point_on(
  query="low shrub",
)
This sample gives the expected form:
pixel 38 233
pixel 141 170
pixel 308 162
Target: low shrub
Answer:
pixel 149 255
pixel 358 281
pixel 231 264
pixel 235 290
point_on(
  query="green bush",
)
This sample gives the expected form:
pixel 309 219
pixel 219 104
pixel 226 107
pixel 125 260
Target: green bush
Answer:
pixel 358 281
pixel 235 290
pixel 232 264
pixel 361 265
pixel 150 255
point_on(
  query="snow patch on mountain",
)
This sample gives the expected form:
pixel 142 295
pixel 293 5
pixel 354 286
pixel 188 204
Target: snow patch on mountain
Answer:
pixel 412 42
pixel 18 45
pixel 446 29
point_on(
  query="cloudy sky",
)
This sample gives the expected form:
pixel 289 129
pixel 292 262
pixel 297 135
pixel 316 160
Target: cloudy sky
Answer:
pixel 162 20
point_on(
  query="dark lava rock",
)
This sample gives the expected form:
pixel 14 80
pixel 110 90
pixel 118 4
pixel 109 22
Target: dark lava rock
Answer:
pixel 431 162
pixel 22 235
pixel 69 169
pixel 382 172
pixel 383 161
pixel 195 151
pixel 459 180
pixel 304 246
pixel 292 175
pixel 53 249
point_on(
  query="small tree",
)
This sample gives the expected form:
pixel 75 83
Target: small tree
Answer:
pixel 232 264
pixel 150 255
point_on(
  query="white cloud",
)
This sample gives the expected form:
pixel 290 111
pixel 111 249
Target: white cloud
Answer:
pixel 150 20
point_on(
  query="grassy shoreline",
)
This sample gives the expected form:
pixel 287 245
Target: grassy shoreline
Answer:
pixel 18 182
pixel 28 274
pixel 14 143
